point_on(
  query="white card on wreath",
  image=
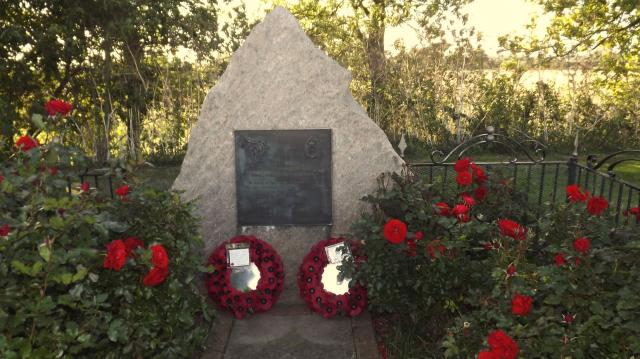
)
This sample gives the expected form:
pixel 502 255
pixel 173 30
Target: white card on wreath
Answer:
pixel 337 253
pixel 238 257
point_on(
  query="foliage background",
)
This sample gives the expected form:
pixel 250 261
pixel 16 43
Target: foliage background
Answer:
pixel 137 72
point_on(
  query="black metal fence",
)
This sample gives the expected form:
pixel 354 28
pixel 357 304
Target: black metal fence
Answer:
pixel 102 180
pixel 538 179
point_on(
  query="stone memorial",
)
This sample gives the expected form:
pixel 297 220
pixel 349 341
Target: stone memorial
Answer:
pixel 279 80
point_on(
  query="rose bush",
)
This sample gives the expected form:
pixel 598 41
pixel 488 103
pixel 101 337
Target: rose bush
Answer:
pixel 82 275
pixel 551 279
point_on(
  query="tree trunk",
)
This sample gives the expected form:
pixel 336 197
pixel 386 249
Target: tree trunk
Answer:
pixel 136 95
pixel 103 125
pixel 377 66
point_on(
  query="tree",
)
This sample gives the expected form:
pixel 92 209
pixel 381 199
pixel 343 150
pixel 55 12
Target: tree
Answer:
pixel 99 53
pixel 359 26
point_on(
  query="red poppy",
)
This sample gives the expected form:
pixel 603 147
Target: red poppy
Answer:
pixel 84 186
pixel 57 107
pixel 122 191
pixel 468 200
pixel 560 260
pixel 597 205
pixel 511 270
pixel 462 165
pixel 521 305
pixel 575 194
pixel 155 276
pixel 159 256
pixel 395 231
pixel 512 229
pixel 464 178
pixel 131 244
pixel 461 212
pixel 480 193
pixel 502 345
pixel 4 230
pixel 116 255
pixel 26 143
pixel 581 245
pixel 443 209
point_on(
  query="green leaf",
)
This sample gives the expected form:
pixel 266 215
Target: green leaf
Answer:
pixel 117 331
pixel 36 119
pixel 45 252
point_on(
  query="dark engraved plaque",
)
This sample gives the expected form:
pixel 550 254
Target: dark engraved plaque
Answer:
pixel 283 177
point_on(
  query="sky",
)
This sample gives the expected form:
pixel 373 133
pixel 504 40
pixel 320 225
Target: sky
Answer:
pixel 492 18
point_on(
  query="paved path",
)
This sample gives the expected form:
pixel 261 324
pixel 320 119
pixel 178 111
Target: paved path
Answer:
pixel 289 331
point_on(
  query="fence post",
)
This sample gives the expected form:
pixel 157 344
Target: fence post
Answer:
pixel 573 170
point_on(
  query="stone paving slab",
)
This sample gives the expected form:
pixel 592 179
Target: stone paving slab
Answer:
pixel 290 332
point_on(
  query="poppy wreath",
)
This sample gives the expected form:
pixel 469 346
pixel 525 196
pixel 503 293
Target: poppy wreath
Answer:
pixel 312 290
pixel 269 285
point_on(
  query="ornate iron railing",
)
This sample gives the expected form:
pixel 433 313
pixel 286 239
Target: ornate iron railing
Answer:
pixel 539 179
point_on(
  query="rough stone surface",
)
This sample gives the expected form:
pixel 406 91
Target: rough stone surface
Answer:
pixel 279 80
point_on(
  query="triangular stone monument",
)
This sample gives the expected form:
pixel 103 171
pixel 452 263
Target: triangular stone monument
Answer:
pixel 280 80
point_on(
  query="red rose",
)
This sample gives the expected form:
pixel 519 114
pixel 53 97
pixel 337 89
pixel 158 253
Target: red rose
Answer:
pixel 577 262
pixel 435 246
pixel 53 171
pixel 461 212
pixel 597 205
pixel 512 229
pixel 4 230
pixel 443 208
pixel 581 245
pixel 485 354
pixel 511 270
pixel 159 256
pixel 502 345
pixel 155 276
pixel 468 200
pixel 26 143
pixel 84 186
pixel 395 231
pixel 478 174
pixel 464 178
pixel 560 260
pixel 1 178
pixel 480 193
pixel 462 165
pixel 116 255
pixel 635 211
pixel 521 305
pixel 575 194
pixel 131 244
pixel 419 235
pixel 57 107
pixel 122 191
pixel 411 248
pixel 568 318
